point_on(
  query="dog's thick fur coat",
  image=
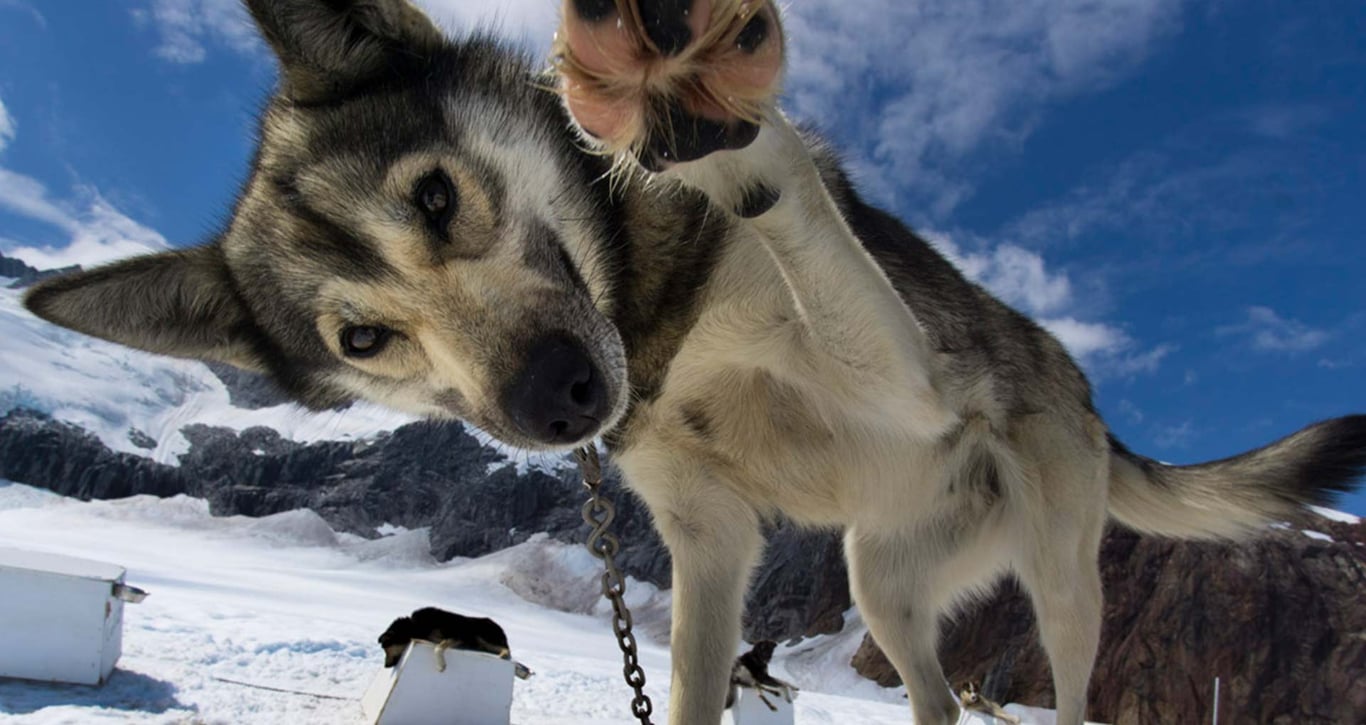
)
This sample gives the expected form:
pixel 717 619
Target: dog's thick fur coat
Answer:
pixel 423 227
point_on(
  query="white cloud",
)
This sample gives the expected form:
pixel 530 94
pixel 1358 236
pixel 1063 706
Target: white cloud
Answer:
pixel 1106 351
pixel 529 22
pixel 1021 278
pixel 186 26
pixel 96 232
pixel 1269 332
pixel 8 127
pixel 189 27
pixel 930 83
pixel 1012 273
pixel 934 82
pixel 1086 340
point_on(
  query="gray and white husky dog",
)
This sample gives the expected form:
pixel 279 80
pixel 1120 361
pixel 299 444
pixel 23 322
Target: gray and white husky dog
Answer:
pixel 638 245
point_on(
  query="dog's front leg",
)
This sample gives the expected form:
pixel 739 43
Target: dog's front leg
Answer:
pixel 440 652
pixel 852 317
pixel 669 83
pixel 714 539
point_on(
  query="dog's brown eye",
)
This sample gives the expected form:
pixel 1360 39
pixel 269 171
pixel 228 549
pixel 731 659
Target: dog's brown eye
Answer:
pixel 364 340
pixel 435 197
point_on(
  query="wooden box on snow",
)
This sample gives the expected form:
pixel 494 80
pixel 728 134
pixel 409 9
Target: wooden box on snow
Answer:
pixel 750 710
pixel 61 618
pixel 475 689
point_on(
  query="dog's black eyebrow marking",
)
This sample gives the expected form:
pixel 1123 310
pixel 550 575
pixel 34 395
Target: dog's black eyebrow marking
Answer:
pixel 343 252
pixel 490 181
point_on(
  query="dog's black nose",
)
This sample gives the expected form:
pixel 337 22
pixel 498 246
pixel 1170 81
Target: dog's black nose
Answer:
pixel 559 396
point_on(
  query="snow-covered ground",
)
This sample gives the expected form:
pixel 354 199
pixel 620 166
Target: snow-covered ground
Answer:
pixel 286 602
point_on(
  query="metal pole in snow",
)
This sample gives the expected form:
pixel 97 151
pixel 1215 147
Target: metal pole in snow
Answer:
pixel 1216 701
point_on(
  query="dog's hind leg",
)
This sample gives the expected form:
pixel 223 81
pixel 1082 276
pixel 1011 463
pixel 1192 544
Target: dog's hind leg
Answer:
pixel 493 649
pixel 1067 601
pixel 892 581
pixel 1058 565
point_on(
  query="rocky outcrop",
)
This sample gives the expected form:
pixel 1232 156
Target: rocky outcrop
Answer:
pixel 802 587
pixel 1281 620
pixel 15 268
pixel 248 390
pixel 24 275
pixel 66 459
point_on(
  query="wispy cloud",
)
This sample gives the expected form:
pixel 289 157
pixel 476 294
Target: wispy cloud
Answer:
pixel 187 27
pixel 1201 182
pixel 95 231
pixel 938 83
pixel 1130 411
pixel 9 128
pixel 26 8
pixel 1153 195
pixel 1107 351
pixel 1267 331
pixel 1285 121
pixel 1174 436
pixel 1021 278
pixel 530 23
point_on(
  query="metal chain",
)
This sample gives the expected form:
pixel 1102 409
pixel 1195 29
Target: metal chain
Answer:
pixel 598 513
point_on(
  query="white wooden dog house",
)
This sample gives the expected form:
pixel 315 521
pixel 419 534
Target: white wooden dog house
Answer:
pixel 61 618
pixel 474 689
pixel 750 710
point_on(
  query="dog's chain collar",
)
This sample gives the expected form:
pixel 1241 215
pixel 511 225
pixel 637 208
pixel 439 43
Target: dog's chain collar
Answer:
pixel 598 513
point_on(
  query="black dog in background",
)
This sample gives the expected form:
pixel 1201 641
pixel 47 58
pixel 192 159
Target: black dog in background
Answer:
pixel 447 630
pixel 751 670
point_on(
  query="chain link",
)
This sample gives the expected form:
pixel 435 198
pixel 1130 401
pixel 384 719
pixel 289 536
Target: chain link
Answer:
pixel 598 512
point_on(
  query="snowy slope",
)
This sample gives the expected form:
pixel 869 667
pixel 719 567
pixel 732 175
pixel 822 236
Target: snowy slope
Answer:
pixel 108 390
pixel 286 602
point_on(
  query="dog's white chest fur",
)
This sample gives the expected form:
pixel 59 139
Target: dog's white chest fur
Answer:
pixel 749 401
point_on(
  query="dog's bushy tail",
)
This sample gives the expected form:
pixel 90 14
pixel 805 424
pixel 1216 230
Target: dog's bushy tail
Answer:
pixel 1237 496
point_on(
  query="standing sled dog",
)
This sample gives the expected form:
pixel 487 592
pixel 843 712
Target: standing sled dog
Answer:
pixel 672 266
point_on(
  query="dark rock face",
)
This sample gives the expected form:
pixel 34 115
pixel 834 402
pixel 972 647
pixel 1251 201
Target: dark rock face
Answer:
pixel 14 268
pixel 248 390
pixel 24 275
pixel 66 459
pixel 1281 620
pixel 802 587
pixel 141 439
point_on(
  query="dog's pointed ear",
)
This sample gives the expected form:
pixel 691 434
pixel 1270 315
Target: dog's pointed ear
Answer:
pixel 327 46
pixel 180 303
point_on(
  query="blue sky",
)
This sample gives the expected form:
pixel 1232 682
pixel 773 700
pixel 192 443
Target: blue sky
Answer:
pixel 1175 188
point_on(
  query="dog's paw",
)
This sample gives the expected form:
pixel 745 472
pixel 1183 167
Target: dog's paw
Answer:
pixel 669 81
